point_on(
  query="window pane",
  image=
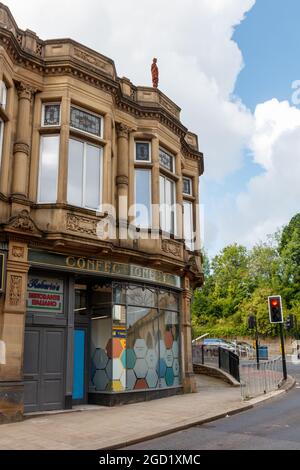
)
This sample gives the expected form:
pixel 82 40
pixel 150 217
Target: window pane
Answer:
pixel 143 197
pixel 142 151
pixel 1 137
pixel 85 121
pixel 51 115
pixel 166 160
pixel 92 176
pixel 187 186
pixel 162 203
pixel 168 300
pixel 188 224
pixel 75 172
pixel 139 296
pixel 49 156
pixel 142 348
pixel 169 367
pixel 3 95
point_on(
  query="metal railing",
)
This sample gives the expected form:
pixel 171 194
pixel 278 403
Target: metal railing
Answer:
pixel 257 381
pixel 217 357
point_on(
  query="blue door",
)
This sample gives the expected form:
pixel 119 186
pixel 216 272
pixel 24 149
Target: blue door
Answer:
pixel 79 365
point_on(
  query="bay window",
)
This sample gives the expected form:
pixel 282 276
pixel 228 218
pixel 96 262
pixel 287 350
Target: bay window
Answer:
pixel 167 204
pixel 188 224
pixel 48 168
pixel 84 174
pixel 143 198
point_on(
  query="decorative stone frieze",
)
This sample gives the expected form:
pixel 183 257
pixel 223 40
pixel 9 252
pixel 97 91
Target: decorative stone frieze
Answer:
pixel 81 224
pixel 171 247
pixel 21 147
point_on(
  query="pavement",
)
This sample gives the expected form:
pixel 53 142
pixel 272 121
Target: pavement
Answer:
pixel 102 428
pixel 273 425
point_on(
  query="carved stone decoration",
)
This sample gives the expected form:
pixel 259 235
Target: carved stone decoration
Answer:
pixel 123 130
pixel 171 247
pixel 122 180
pixel 81 224
pixel 5 20
pixel 15 290
pixel 18 251
pixel 95 61
pixel 22 222
pixel 21 147
pixel 25 91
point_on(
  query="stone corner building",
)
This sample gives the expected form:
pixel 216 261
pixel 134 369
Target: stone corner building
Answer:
pixel 87 318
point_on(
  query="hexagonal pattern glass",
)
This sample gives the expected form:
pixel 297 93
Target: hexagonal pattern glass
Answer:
pixel 151 358
pixel 100 358
pixel 169 357
pixel 161 368
pixel 117 369
pixel 140 348
pixel 176 367
pixel 130 379
pixel 169 376
pixel 130 358
pixel 100 379
pixel 152 378
pixel 141 368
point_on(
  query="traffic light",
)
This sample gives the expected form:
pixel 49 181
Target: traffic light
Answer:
pixel 290 322
pixel 275 309
pixel 251 322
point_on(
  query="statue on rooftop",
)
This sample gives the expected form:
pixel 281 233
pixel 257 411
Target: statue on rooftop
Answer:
pixel 155 73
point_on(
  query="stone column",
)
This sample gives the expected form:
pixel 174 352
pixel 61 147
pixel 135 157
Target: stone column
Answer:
pixel 107 167
pixel 122 179
pixel 179 199
pixel 22 144
pixel 189 383
pixel 12 335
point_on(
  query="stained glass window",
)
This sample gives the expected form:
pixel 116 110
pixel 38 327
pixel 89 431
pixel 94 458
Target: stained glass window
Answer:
pixel 142 151
pixel 51 115
pixel 187 186
pixel 166 160
pixel 85 121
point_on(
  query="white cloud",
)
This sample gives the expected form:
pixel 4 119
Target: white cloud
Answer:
pixel 273 197
pixel 198 60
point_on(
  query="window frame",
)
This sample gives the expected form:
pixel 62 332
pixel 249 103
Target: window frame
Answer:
pixel 2 124
pixel 190 244
pixel 46 126
pixel 3 93
pixel 100 147
pixel 173 183
pixel 161 148
pixel 150 156
pixel 191 185
pixel 149 170
pixel 43 136
pixel 92 113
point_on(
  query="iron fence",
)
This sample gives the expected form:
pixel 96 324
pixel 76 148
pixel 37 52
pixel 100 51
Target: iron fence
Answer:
pixel 217 357
pixel 259 380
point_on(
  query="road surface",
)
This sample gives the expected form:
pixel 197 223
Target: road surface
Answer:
pixel 271 425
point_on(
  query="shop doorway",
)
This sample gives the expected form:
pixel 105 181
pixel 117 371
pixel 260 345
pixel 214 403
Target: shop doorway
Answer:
pixel 44 353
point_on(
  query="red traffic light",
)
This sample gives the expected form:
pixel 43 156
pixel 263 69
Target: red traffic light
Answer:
pixel 275 309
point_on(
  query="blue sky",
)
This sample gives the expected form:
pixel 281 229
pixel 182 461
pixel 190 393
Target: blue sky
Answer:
pixel 268 38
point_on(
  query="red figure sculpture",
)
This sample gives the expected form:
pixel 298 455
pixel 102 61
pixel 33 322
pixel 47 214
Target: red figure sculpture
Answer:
pixel 155 74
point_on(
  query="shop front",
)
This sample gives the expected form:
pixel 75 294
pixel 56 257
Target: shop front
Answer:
pixel 99 332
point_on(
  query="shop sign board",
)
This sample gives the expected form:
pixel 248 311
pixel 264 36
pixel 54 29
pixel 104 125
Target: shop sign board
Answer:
pixel 45 294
